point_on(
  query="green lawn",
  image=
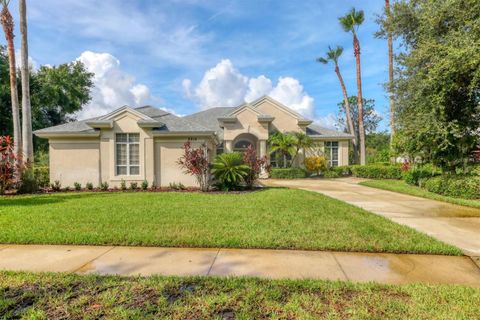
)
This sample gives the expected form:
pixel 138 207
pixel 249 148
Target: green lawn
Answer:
pixel 272 218
pixel 70 296
pixel 403 187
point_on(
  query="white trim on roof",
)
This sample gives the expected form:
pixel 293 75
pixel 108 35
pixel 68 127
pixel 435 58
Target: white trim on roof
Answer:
pixel 118 111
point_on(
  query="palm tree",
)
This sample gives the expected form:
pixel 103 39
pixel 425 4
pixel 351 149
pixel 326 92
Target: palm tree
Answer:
pixel 333 55
pixel 302 142
pixel 350 23
pixel 283 143
pixel 230 170
pixel 27 142
pixel 390 72
pixel 7 24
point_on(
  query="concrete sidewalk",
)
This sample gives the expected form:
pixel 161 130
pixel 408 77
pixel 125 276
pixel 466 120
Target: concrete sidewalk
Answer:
pixel 295 264
pixel 453 224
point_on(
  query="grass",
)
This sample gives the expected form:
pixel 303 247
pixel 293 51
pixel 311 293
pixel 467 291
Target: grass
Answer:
pixel 403 187
pixel 273 218
pixel 70 296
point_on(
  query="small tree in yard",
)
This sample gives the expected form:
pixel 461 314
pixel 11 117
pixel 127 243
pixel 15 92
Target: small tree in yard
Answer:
pixel 9 169
pixel 256 165
pixel 195 162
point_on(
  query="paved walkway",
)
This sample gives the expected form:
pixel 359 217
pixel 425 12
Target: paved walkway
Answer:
pixel 360 267
pixel 453 224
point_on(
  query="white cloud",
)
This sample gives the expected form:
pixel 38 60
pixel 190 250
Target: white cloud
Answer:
pixel 18 60
pixel 224 85
pixel 113 87
pixel 329 121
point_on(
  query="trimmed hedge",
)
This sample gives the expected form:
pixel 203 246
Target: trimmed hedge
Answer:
pixel 466 187
pixel 288 173
pixel 375 171
pixel 337 172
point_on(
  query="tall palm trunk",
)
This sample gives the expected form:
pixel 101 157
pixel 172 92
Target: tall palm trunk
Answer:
pixel 390 74
pixel 7 24
pixel 27 141
pixel 361 127
pixel 348 112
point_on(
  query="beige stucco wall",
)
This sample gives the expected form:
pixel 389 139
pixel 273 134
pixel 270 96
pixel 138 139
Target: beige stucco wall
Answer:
pixel 74 160
pixel 167 153
pixel 283 122
pixel 246 123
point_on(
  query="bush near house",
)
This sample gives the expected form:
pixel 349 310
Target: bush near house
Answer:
pixel 42 175
pixel 337 172
pixel 288 173
pixel 376 171
pixel 315 164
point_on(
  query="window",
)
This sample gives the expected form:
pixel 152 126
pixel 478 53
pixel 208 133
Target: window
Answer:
pixel 331 151
pixel 242 145
pixel 220 148
pixel 128 153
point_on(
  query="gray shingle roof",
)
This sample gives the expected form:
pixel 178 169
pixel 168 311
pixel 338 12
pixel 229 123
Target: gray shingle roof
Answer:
pixel 203 121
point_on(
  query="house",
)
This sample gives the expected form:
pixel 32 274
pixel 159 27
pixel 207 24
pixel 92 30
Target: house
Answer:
pixel 145 143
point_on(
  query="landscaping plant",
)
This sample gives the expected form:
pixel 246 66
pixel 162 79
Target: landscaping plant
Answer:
pixel 256 165
pixel 144 185
pixel 77 186
pixel 230 170
pixel 195 162
pixel 9 169
pixel 315 164
pixel 89 186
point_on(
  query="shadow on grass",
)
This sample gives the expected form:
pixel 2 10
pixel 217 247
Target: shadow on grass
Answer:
pixel 45 199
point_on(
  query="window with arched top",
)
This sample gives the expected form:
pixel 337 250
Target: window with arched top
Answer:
pixel 242 145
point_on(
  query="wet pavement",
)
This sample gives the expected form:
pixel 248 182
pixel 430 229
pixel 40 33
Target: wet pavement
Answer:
pixel 453 224
pixel 272 264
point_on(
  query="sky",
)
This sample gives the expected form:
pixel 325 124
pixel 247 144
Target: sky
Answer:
pixel 190 55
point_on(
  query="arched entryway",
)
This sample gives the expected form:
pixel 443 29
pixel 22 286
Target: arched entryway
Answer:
pixel 243 141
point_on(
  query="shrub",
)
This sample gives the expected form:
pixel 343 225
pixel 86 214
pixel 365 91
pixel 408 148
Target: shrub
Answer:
pixel 177 186
pixel 195 162
pixel 230 170
pixel 255 164
pixel 288 173
pixel 337 172
pixel 414 175
pixel 77 186
pixel 9 170
pixel 56 186
pixel 377 171
pixel 42 176
pixel 67 188
pixel 461 186
pixel 89 186
pixel 315 164
pixel 154 185
pixel 28 182
pixel 133 186
pixel 123 185
pixel 144 185
pixel 104 186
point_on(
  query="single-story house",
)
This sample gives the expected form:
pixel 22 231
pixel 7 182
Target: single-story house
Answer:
pixel 145 143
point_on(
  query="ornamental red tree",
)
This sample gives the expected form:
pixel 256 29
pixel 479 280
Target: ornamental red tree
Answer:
pixel 195 162
pixel 256 165
pixel 9 169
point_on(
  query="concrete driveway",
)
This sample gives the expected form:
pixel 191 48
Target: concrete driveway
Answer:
pixel 456 225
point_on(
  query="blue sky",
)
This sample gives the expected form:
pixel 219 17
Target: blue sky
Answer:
pixel 159 51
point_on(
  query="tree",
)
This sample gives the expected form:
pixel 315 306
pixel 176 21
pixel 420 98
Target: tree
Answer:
pixel 350 23
pixel 333 55
pixel 284 143
pixel 302 142
pixel 58 93
pixel 370 116
pixel 378 147
pixel 437 84
pixel 195 162
pixel 27 138
pixel 7 24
